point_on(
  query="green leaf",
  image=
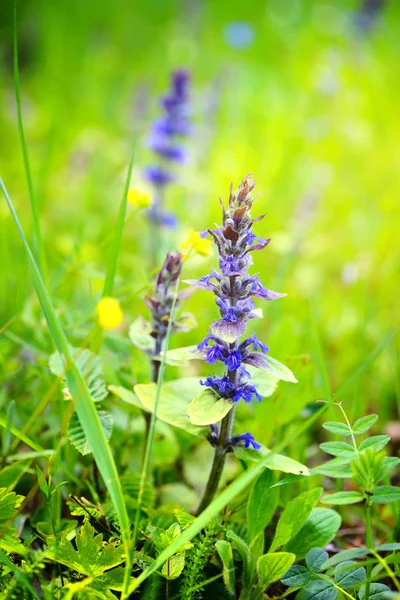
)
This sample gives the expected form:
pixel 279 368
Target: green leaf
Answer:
pixel 315 558
pixel 208 408
pixel 77 436
pixel 296 576
pixel 180 356
pixel 278 370
pixel 276 462
pixel 388 464
pixel 362 425
pixel 294 516
pixel 388 547
pixel 377 591
pixel 338 449
pixel 320 590
pixel 384 494
pixel 377 442
pixel 90 366
pixel 174 566
pixel 175 397
pixel 272 567
pixel 261 505
pixel 43 485
pixel 225 553
pixel 185 322
pixel 337 468
pixel 344 555
pixel 265 383
pixel 337 428
pixel 348 577
pixel 92 557
pixel 319 529
pixel 9 502
pixel 343 498
pixel 126 396
pixel 140 335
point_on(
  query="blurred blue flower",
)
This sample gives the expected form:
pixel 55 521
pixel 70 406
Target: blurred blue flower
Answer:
pixel 239 35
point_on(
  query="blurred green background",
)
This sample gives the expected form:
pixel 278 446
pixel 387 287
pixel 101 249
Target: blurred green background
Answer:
pixel 303 94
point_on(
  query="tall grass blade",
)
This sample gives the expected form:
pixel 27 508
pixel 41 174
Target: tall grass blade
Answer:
pixel 83 402
pixel 37 236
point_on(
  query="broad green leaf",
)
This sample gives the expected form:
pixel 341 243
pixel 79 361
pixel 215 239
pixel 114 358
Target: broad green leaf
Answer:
pixel 90 366
pixel 296 576
pixel 265 383
pixel 319 529
pixel 337 428
pixel 343 498
pixel 272 567
pixel 377 442
pixel 174 399
pixel 207 408
pixel 92 557
pixel 320 590
pixel 377 591
pixel 338 449
pixel 278 370
pixel 315 558
pixel 384 494
pixel 294 516
pixel 277 462
pixel 261 505
pixel 140 335
pixel 362 425
pixel 225 553
pixel 77 436
pixel 126 396
pixel 347 577
pixel 180 356
pixel 174 566
pixel 344 555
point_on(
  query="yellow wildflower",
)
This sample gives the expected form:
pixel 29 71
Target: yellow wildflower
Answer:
pixel 139 198
pixel 196 244
pixel 109 313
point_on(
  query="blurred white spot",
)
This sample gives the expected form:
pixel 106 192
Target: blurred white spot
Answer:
pixel 350 273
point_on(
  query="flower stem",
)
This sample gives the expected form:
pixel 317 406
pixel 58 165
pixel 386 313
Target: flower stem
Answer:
pixel 369 542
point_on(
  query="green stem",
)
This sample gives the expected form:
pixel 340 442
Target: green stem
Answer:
pixel 218 462
pixel 369 542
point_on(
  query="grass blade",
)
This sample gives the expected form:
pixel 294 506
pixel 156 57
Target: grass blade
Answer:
pixel 37 236
pixel 83 402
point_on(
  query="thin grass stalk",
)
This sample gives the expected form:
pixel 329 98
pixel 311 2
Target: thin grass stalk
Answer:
pixel 83 402
pixel 114 252
pixel 37 236
pixel 150 436
pixel 217 505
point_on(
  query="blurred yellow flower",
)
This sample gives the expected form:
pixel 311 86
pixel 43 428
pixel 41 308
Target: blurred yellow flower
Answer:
pixel 139 198
pixel 196 244
pixel 109 313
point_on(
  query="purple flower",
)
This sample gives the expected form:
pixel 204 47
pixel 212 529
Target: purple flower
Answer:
pixel 248 440
pixel 229 266
pixel 255 342
pixel 213 354
pixel 221 385
pixel 233 360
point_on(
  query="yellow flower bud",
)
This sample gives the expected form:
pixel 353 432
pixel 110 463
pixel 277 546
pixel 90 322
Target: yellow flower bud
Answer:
pixel 109 313
pixel 139 198
pixel 196 244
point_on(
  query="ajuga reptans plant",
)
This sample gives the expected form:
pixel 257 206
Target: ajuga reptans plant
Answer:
pixel 164 141
pixel 235 290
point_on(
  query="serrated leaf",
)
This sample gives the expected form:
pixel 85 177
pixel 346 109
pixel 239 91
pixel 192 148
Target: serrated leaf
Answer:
pixel 174 566
pixel 348 577
pixel 92 557
pixel 377 442
pixel 77 436
pixel 384 494
pixel 262 503
pixel 338 449
pixel 377 591
pixel 90 366
pixel 272 567
pixel 320 590
pixel 294 516
pixel 9 502
pixel 140 335
pixel 10 543
pixel 278 370
pixel 337 428
pixel 362 425
pixel 315 558
pixel 225 553
pixel 343 498
pixel 319 529
pixel 175 397
pixel 277 462
pixel 208 408
pixel 296 576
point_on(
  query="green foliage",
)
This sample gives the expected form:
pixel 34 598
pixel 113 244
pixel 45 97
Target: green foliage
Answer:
pixel 225 553
pixel 272 567
pixel 319 529
pixel 207 408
